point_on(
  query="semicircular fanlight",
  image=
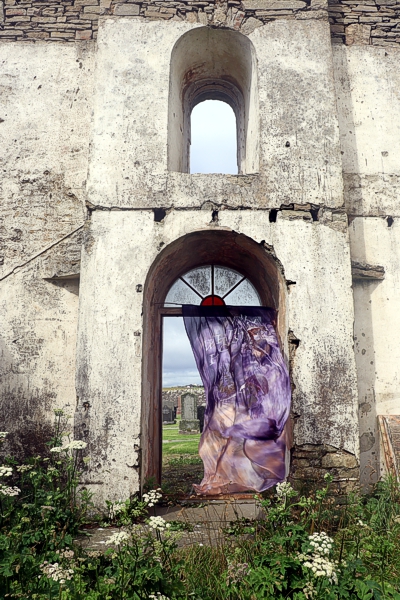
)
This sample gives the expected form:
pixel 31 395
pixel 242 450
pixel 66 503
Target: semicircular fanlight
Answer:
pixel 213 285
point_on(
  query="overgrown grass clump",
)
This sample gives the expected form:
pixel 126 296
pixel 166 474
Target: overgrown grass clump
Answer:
pixel 304 547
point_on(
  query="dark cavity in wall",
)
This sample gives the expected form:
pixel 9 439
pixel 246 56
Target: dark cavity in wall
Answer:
pixel 273 213
pixel 159 214
pixel 214 216
pixel 389 221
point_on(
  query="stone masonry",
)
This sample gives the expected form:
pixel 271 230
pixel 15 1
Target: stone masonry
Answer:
pixel 351 22
pixel 96 222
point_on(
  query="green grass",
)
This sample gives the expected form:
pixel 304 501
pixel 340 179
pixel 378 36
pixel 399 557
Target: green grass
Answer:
pixel 179 443
pixel 176 449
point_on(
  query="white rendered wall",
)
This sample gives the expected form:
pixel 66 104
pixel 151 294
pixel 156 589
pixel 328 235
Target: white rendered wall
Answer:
pixel 46 94
pixel 300 163
pixel 297 107
pixel 377 331
pixel 368 88
pixel 45 111
pixel 121 248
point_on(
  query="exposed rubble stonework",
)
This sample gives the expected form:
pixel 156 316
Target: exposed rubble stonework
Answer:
pixel 351 21
pixel 99 216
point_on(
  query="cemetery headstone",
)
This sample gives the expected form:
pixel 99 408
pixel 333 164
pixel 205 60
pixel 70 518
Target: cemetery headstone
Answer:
pixel 168 413
pixel 189 422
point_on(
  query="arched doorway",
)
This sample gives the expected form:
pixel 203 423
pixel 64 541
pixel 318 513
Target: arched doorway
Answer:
pixel 256 262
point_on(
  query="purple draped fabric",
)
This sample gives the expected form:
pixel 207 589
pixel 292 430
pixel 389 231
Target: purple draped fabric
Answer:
pixel 247 389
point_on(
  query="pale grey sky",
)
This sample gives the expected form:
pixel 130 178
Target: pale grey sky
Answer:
pixel 213 138
pixel 179 367
pixel 213 150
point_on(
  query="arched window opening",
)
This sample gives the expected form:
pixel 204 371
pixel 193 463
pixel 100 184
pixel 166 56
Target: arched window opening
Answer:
pixel 213 138
pixel 209 64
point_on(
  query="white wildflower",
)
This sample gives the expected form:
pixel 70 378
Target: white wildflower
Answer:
pixel 158 523
pixel 158 596
pixel 66 554
pixel 9 491
pixel 317 560
pixel 56 449
pixel 285 490
pixel 76 445
pixel 118 539
pixel 152 497
pixel 24 468
pixel 5 471
pixel 115 508
pixel 56 572
pixel 3 435
pixel 309 591
pixel 361 524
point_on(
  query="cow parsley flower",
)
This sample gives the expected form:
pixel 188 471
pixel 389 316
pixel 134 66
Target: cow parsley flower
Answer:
pixel 309 590
pixel 158 596
pixel 5 471
pixel 56 572
pixel 158 523
pixel 24 468
pixel 76 445
pixel 285 490
pixel 118 539
pixel 152 497
pixel 317 559
pixel 65 554
pixel 56 449
pixel 9 491
pixel 362 524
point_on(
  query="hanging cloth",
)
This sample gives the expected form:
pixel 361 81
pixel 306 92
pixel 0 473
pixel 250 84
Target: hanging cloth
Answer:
pixel 247 391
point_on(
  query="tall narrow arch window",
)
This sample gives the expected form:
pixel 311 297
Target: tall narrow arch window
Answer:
pixel 212 285
pixel 220 66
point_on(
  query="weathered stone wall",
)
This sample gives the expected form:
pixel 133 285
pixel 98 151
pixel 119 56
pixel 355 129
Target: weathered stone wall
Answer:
pixel 300 161
pixel 351 21
pixel 71 20
pixel 294 203
pixel 45 109
pixel 365 23
pixel 325 398
pixel 172 394
pixel 59 21
pixel 368 92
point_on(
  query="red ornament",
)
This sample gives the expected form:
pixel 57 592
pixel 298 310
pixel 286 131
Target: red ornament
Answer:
pixel 212 301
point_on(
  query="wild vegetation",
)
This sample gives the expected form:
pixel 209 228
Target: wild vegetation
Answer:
pixel 182 465
pixel 305 546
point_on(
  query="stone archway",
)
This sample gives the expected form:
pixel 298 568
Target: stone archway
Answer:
pixel 227 248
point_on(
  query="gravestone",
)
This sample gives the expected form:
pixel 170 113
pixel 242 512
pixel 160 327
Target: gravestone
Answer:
pixel 189 422
pixel 168 413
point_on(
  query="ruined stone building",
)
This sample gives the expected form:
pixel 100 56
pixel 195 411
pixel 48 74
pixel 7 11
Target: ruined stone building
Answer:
pixel 99 215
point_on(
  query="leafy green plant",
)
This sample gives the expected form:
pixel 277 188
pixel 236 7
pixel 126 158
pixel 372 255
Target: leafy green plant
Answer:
pixel 304 546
